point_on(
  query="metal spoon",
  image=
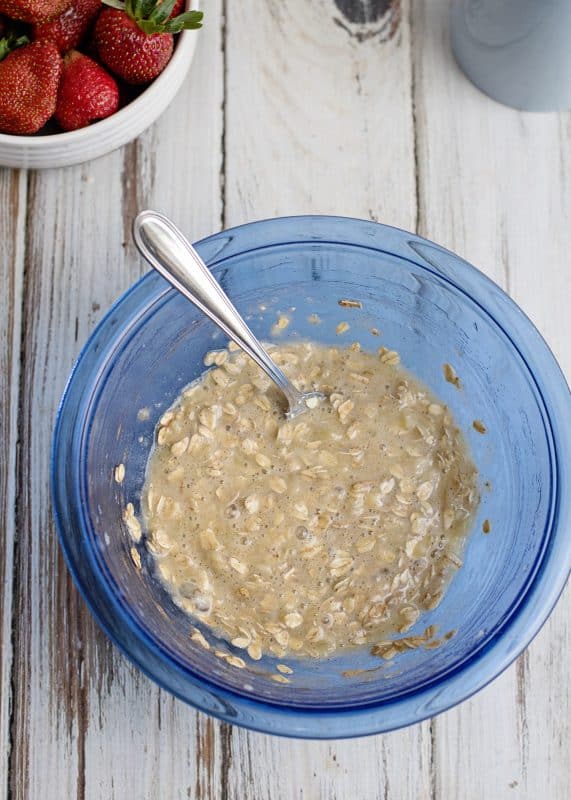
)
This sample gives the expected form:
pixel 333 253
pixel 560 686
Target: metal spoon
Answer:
pixel 171 254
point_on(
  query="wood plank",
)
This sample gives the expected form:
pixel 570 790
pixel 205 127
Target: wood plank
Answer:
pixel 395 765
pixel 318 119
pixel 12 220
pixel 71 275
pixel 85 723
pixel 319 112
pixel 495 186
pixel 174 167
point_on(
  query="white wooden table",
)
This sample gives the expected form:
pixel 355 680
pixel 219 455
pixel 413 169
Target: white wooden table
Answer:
pixel 291 107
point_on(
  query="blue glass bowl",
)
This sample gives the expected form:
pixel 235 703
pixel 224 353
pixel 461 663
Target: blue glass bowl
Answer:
pixel 434 308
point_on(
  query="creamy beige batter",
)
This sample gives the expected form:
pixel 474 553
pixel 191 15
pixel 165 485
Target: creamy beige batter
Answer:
pixel 327 531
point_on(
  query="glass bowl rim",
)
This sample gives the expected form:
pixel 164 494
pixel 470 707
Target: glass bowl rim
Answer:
pixel 543 589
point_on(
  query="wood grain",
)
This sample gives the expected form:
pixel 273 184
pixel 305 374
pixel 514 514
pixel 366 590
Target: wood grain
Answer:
pixel 395 765
pixel 12 223
pixel 81 713
pixel 318 115
pixel 70 274
pixel 495 186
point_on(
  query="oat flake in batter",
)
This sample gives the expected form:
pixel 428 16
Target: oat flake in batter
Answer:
pixel 309 535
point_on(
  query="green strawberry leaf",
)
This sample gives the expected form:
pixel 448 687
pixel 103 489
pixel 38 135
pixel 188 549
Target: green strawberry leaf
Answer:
pixel 162 12
pixel 118 4
pixel 10 43
pixel 153 16
pixel 147 26
pixel 146 8
pixel 190 20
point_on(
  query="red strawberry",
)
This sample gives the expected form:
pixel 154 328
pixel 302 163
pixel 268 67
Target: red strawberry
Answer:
pixel 177 8
pixel 33 10
pixel 29 79
pixel 136 43
pixel 86 93
pixel 67 30
pixel 133 55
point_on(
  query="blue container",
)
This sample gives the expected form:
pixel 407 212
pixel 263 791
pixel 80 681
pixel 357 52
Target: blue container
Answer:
pixel 516 51
pixel 434 308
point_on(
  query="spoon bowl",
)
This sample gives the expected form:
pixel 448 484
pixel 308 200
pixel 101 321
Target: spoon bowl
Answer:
pixel 172 255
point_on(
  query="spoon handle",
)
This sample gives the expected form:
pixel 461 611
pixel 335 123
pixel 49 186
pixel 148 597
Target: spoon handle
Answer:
pixel 172 255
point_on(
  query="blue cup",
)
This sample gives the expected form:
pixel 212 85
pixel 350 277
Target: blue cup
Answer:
pixel 516 51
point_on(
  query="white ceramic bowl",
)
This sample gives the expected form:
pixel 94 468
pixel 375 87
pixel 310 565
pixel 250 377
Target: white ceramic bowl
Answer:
pixel 73 147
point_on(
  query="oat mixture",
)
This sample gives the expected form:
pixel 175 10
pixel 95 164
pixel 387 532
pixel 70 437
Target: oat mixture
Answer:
pixel 327 531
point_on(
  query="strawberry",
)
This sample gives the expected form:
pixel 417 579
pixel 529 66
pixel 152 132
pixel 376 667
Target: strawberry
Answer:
pixel 29 79
pixel 67 30
pixel 177 8
pixel 135 38
pixel 129 52
pixel 33 11
pixel 86 92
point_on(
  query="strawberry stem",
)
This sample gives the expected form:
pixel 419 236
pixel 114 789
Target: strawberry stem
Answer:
pixel 154 16
pixel 10 43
